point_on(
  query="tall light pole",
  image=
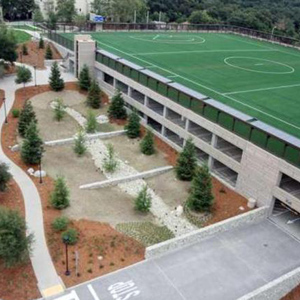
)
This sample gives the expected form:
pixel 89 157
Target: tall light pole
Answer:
pixel 5 113
pixel 35 75
pixel 272 34
pixel 66 241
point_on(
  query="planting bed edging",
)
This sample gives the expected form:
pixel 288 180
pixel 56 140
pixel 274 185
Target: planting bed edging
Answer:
pixel 277 288
pixel 249 218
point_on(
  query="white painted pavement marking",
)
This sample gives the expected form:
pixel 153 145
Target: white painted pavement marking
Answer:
pixel 71 296
pixel 92 291
pixel 205 87
pixel 290 222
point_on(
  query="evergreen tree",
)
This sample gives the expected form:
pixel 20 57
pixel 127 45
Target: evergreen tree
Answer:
pixel 49 53
pixel 56 82
pixel 85 80
pixel 15 245
pixel 201 197
pixel 24 49
pixel 38 16
pixel 27 116
pixel 32 148
pixel 110 162
pixel 9 39
pixel 91 125
pixel 147 144
pixel 143 201
pixel 59 110
pixel 79 145
pixel 41 43
pixel 133 127
pixel 117 108
pixel 60 197
pixel 5 176
pixel 94 95
pixel 187 162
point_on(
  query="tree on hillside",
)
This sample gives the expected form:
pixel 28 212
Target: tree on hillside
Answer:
pixel 147 143
pixel 41 43
pixel 85 79
pixel 117 107
pixel 23 76
pixel 27 116
pixel 5 176
pixel 8 42
pixel 32 147
pixel 24 49
pixel 49 53
pixel 80 20
pixel 37 16
pixel 52 20
pixel 55 81
pixel 13 9
pixel 60 197
pixel 94 95
pixel 187 162
pixel 15 244
pixel 133 128
pixel 201 197
pixel 66 10
pixel 200 17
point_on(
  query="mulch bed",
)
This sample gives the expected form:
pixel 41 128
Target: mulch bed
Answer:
pixel 96 239
pixel 293 295
pixel 36 56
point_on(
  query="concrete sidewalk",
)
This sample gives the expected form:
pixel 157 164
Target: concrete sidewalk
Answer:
pixel 49 282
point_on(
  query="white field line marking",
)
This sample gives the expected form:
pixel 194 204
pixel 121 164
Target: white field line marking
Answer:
pixel 92 291
pixel 201 51
pixel 172 76
pixel 205 87
pixel 262 89
pixel 149 67
pixel 156 37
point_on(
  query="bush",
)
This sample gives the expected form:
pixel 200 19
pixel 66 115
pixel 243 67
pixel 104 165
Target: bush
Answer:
pixel 187 162
pixel 55 81
pixel 49 54
pixel 15 245
pixel 59 110
pixel 60 196
pixel 110 162
pixel 85 78
pixel 60 223
pixel 27 116
pixel 117 108
pixel 32 148
pixel 41 43
pixel 24 49
pixel 133 128
pixel 91 125
pixel 143 200
pixel 70 236
pixel 79 145
pixel 5 176
pixel 94 95
pixel 147 144
pixel 201 197
pixel 15 113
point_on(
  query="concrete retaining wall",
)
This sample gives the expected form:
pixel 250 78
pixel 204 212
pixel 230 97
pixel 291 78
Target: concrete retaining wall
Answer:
pixel 276 289
pixel 246 219
pixel 113 182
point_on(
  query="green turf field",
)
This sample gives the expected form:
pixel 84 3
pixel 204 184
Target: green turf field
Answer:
pixel 22 36
pixel 257 78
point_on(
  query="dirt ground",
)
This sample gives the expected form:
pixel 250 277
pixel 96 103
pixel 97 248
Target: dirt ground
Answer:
pixel 18 282
pixel 109 205
pixel 128 150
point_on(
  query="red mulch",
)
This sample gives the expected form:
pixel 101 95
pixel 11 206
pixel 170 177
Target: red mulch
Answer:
pixel 96 239
pixel 36 56
pixel 293 295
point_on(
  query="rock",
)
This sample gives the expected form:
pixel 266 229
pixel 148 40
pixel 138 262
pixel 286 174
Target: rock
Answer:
pixel 30 171
pixel 100 257
pixel 102 119
pixel 241 208
pixel 37 173
pixel 15 148
pixel 179 210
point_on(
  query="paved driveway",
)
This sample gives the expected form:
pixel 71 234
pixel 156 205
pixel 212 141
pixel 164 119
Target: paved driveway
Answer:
pixel 225 267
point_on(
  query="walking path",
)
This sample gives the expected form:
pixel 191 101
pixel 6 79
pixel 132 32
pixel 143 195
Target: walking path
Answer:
pixel 49 282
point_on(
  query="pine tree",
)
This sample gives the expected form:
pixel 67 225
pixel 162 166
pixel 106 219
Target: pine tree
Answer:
pixel 117 108
pixel 49 54
pixel 94 95
pixel 27 116
pixel 59 110
pixel 41 43
pixel 201 197
pixel 32 148
pixel 91 125
pixel 60 197
pixel 147 144
pixel 187 162
pixel 79 145
pixel 24 49
pixel 110 162
pixel 133 127
pixel 85 79
pixel 143 201
pixel 56 82
pixel 5 176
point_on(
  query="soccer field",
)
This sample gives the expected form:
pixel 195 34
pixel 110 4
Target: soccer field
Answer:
pixel 257 78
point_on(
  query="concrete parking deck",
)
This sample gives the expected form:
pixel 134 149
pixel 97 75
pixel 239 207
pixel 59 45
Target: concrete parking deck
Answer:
pixel 225 267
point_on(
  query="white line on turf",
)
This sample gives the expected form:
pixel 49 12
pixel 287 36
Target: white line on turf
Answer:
pixel 262 89
pixel 92 291
pixel 172 76
pixel 205 87
pixel 156 37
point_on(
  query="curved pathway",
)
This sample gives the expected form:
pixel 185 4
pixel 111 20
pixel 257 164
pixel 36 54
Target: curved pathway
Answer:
pixel 49 283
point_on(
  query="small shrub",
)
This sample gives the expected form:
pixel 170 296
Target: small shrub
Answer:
pixel 94 95
pixel 91 125
pixel 147 144
pixel 101 267
pixel 15 113
pixel 60 196
pixel 49 54
pixel 133 127
pixel 70 236
pixel 84 78
pixel 112 264
pixel 59 110
pixel 143 200
pixel 110 162
pixel 60 223
pixel 24 49
pixel 117 108
pixel 41 43
pixel 5 177
pixel 90 270
pixel 79 145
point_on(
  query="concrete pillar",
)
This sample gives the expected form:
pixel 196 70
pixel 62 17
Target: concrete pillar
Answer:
pixel 187 125
pixel 214 140
pixel 146 100
pixel 163 131
pixel 115 83
pixel 210 162
pixel 130 91
pixel 165 112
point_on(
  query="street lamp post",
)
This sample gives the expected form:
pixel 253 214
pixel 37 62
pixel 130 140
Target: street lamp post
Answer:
pixel 40 169
pixel 66 242
pixel 5 113
pixel 272 34
pixel 34 75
